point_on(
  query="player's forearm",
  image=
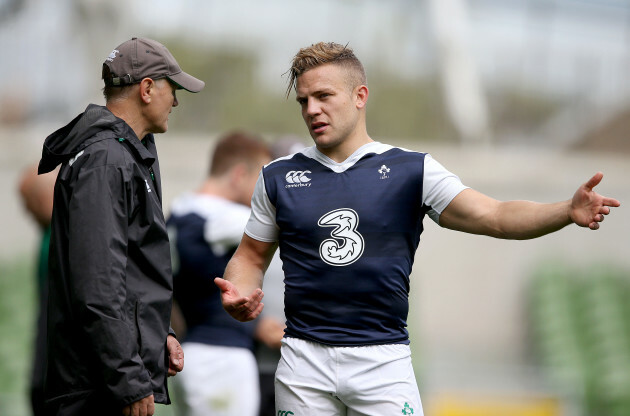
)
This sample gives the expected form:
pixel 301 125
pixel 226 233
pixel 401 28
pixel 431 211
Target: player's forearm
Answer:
pixel 244 273
pixel 521 220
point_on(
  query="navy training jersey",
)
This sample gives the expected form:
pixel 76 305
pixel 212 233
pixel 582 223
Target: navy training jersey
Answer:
pixel 204 231
pixel 347 235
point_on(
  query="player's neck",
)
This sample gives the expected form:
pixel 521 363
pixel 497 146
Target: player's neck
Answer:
pixel 218 187
pixel 347 147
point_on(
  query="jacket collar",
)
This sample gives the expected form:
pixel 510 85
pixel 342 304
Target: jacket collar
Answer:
pixel 144 149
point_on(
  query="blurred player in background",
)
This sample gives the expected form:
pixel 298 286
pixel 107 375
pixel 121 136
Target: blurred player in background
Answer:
pixel 347 214
pixel 205 227
pixel 36 192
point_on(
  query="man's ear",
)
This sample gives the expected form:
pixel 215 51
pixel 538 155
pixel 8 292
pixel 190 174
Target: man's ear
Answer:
pixel 361 96
pixel 146 88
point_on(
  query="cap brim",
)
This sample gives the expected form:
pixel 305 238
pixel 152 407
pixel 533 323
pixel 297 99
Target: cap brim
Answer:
pixel 187 82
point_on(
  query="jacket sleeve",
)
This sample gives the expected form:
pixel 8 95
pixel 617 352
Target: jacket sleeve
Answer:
pixel 98 243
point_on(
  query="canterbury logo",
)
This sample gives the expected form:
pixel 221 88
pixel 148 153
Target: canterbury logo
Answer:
pixel 298 176
pixel 297 179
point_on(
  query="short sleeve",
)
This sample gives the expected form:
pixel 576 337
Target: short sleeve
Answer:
pixel 439 187
pixel 225 230
pixel 262 225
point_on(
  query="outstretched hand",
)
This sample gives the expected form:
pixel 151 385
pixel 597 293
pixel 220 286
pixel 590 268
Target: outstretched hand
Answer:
pixel 588 208
pixel 241 308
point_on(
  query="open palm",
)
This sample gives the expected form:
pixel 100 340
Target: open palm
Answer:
pixel 588 208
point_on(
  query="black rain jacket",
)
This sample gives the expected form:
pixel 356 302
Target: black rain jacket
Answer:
pixel 110 281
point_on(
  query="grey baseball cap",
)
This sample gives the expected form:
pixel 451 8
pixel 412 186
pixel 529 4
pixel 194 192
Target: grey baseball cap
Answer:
pixel 140 58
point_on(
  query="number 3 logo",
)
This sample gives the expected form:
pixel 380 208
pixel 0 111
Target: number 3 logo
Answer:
pixel 347 244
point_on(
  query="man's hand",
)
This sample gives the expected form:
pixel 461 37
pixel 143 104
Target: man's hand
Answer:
pixel 588 208
pixel 143 407
pixel 241 308
pixel 175 356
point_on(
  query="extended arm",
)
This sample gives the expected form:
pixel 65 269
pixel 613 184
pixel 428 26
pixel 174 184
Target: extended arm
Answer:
pixel 243 276
pixel 476 213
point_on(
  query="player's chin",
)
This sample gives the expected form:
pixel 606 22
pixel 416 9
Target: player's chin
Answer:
pixel 324 142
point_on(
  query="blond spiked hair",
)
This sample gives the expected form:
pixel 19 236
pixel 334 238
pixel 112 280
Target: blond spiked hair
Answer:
pixel 323 53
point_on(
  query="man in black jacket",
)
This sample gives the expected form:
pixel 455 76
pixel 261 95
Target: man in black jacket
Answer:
pixel 110 346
